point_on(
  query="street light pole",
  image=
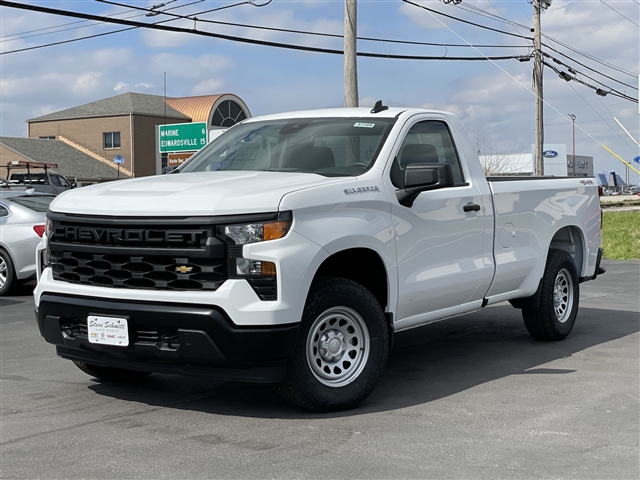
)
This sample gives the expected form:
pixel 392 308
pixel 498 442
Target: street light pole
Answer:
pixel 573 136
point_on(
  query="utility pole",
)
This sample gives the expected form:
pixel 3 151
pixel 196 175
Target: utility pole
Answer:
pixel 537 90
pixel 350 50
pixel 573 141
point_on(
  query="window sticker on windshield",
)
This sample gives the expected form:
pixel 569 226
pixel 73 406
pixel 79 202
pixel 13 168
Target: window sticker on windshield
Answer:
pixel 364 125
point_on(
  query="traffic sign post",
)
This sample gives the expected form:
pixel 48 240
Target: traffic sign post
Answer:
pixel 182 137
pixel 118 160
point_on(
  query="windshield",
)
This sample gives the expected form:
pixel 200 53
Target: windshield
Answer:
pixel 326 146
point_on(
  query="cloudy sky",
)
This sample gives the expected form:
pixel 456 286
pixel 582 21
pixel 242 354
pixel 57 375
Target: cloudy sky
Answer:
pixel 493 99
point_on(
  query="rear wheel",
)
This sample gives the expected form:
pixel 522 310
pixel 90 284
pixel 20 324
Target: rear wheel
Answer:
pixel 342 347
pixel 559 297
pixel 112 374
pixel 7 275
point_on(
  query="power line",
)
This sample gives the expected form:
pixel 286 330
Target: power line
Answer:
pixel 318 34
pixel 492 16
pixel 589 68
pixel 565 76
pixel 528 38
pixel 157 26
pixel 61 25
pixel 574 71
pixel 598 113
pixel 526 88
pixel 573 49
pixel 66 29
pixel 590 57
pixel 622 15
pixel 465 21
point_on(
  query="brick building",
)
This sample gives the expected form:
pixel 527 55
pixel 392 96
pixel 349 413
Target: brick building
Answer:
pixel 125 125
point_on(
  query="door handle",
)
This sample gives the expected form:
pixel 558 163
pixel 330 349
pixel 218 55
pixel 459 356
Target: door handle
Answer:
pixel 471 207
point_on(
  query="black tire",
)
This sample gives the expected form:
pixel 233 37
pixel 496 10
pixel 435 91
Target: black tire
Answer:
pixel 7 273
pixel 112 374
pixel 331 368
pixel 555 316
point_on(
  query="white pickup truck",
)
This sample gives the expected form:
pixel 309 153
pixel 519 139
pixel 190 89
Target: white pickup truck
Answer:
pixel 293 247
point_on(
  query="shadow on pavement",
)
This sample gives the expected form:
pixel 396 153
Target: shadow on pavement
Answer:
pixel 426 364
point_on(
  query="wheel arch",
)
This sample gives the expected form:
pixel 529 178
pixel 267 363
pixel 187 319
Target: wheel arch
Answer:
pixel 366 267
pixel 569 238
pixel 5 249
pixel 362 265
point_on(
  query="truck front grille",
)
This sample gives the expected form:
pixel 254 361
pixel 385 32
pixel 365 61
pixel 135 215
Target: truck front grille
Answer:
pixel 134 271
pixel 137 253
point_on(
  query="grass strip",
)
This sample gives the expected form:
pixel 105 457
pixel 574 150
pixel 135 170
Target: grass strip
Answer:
pixel 621 235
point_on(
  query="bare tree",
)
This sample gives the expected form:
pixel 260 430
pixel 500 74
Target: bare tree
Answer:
pixel 499 159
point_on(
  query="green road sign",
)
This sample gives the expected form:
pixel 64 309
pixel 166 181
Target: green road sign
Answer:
pixel 183 137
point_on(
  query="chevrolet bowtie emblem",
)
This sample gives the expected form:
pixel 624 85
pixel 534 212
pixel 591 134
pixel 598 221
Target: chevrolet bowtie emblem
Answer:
pixel 184 269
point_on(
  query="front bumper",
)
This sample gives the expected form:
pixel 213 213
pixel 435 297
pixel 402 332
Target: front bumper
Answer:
pixel 169 338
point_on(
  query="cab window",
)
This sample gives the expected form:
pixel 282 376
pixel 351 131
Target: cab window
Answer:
pixel 430 142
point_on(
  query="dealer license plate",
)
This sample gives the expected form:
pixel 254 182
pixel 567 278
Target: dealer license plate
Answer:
pixel 108 330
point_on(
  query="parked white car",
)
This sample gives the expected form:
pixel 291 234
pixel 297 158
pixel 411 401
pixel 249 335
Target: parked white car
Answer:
pixel 22 223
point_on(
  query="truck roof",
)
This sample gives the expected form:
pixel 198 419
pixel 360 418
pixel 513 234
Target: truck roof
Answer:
pixel 359 112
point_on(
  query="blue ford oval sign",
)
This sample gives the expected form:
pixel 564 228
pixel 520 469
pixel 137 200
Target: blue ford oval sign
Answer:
pixel 549 154
pixel 636 159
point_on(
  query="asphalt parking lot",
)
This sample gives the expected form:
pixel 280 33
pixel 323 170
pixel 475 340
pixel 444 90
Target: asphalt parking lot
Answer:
pixel 471 397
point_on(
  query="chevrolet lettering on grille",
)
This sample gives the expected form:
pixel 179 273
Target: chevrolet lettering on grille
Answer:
pixel 123 236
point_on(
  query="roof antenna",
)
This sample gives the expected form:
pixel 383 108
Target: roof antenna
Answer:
pixel 379 107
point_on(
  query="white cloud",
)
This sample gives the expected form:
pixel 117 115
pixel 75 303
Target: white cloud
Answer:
pixel 87 82
pixel 120 87
pixel 207 87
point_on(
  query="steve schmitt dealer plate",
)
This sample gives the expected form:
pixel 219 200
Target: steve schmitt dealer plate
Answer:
pixel 108 330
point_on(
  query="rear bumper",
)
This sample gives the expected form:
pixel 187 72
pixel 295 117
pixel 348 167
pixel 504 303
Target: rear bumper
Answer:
pixel 169 338
pixel 598 271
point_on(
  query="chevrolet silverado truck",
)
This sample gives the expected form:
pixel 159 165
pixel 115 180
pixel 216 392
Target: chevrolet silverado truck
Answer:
pixel 294 246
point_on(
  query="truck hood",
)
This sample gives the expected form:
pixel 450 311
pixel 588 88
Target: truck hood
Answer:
pixel 188 194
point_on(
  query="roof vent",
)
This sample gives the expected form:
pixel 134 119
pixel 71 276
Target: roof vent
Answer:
pixel 379 107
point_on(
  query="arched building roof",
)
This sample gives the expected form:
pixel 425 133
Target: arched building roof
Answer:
pixel 220 111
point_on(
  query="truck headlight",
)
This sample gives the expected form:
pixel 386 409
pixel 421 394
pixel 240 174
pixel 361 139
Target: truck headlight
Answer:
pixel 243 234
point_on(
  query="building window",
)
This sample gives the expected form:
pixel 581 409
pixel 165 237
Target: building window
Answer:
pixel 111 140
pixel 48 137
pixel 227 114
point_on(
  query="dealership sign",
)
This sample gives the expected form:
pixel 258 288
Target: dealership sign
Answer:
pixel 182 137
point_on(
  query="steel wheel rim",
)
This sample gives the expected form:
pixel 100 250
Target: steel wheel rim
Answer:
pixel 337 346
pixel 3 272
pixel 563 295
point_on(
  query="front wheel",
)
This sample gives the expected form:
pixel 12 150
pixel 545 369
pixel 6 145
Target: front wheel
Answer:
pixel 559 297
pixel 342 347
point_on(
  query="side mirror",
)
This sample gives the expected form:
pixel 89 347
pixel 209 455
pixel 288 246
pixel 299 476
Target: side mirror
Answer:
pixel 74 185
pixel 421 177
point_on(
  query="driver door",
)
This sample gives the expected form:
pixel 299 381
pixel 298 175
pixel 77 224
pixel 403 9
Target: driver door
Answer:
pixel 442 238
